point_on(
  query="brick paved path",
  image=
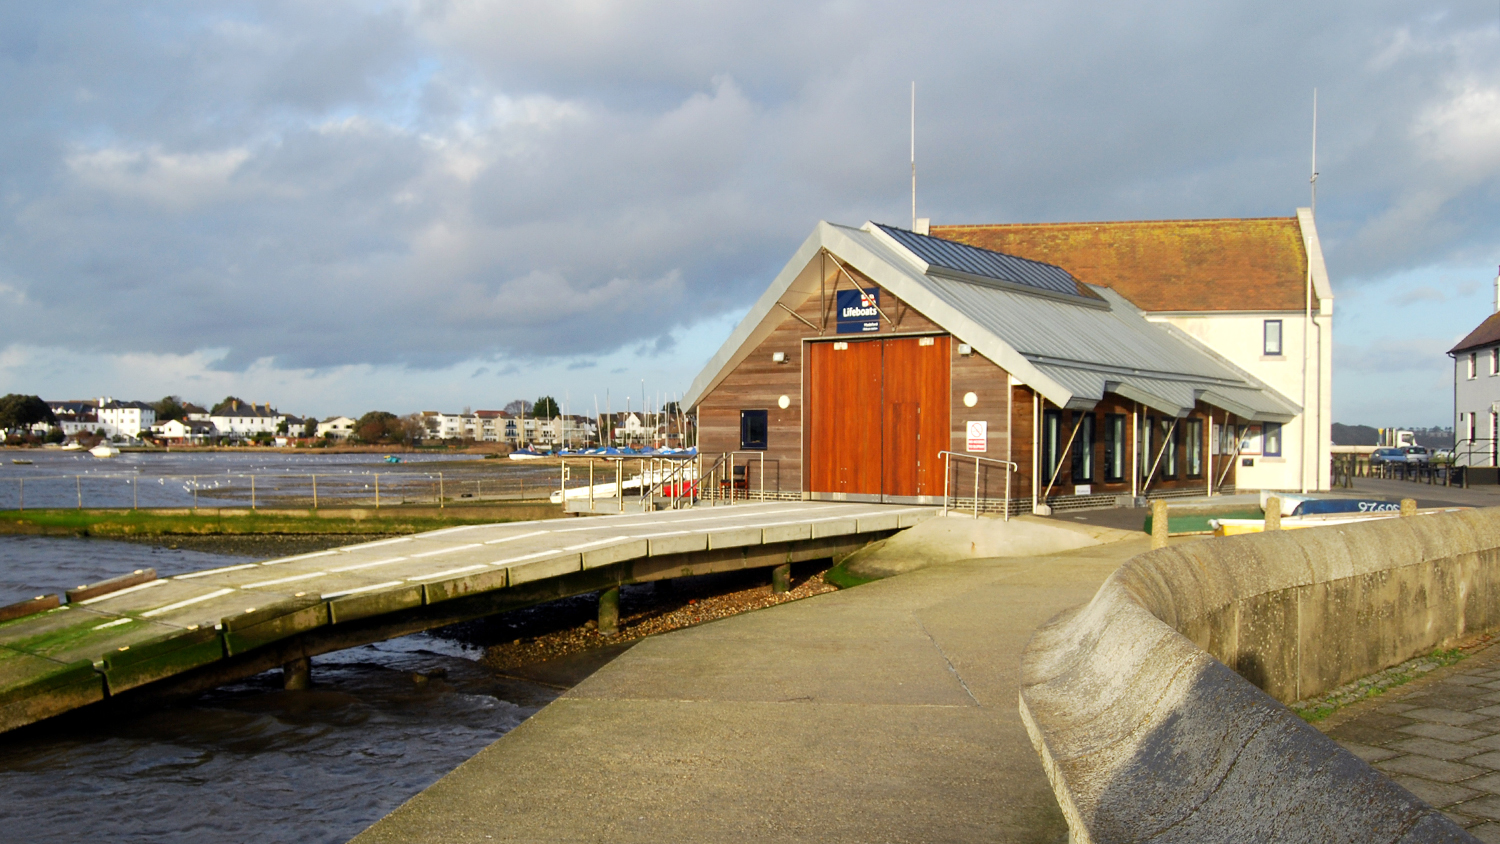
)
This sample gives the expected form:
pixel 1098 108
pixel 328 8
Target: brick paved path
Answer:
pixel 1439 737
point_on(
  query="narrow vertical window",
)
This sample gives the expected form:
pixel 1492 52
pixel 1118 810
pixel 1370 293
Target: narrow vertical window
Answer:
pixel 1114 447
pixel 1273 337
pixel 1194 448
pixel 1473 364
pixel 1495 361
pixel 1051 444
pixel 1273 439
pixel 1169 448
pixel 1148 450
pixel 753 430
pixel 1083 451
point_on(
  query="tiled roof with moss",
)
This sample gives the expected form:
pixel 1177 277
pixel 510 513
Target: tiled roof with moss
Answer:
pixel 1487 334
pixel 1166 265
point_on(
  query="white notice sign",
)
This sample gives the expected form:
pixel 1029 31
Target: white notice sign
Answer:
pixel 978 437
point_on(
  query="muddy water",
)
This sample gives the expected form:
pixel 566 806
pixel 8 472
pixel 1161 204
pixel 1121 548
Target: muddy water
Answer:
pixel 246 762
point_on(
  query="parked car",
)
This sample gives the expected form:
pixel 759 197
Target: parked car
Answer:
pixel 1417 454
pixel 1387 455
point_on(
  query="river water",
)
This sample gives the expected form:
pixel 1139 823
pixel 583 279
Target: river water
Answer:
pixel 246 762
pixel 242 477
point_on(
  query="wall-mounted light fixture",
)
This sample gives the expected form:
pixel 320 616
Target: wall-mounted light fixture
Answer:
pixel 784 402
pixel 778 357
pixel 965 349
pixel 970 399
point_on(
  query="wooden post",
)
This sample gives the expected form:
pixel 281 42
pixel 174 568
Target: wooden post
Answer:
pixel 440 490
pixel 1408 507
pixel 1160 525
pixel 78 482
pixel 609 611
pixel 377 490
pixel 252 492
pixel 1273 513
pixel 315 492
pixel 781 579
pixel 297 674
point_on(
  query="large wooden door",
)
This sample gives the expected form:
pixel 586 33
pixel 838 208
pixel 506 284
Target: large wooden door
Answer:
pixel 915 401
pixel 878 416
pixel 844 423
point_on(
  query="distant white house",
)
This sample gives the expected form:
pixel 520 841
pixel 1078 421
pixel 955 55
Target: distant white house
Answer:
pixel 189 431
pixel 241 420
pixel 125 418
pixel 336 428
pixel 1476 392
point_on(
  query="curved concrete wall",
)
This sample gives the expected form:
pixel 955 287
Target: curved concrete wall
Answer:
pixel 1148 735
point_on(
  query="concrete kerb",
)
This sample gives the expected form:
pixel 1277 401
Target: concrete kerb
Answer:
pixel 1147 735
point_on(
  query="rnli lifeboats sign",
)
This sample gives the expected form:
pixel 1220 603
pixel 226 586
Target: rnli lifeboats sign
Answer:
pixel 858 310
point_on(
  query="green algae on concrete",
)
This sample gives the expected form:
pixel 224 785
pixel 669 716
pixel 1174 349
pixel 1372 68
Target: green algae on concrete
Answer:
pixel 206 522
pixel 1182 522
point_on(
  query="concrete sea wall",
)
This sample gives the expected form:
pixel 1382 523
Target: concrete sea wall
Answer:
pixel 1155 706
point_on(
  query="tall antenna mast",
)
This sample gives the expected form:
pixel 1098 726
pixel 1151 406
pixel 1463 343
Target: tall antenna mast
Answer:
pixel 1314 180
pixel 914 155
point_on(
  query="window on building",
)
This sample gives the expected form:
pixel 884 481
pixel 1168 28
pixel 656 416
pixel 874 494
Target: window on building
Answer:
pixel 1114 448
pixel 1494 438
pixel 1083 451
pixel 1147 445
pixel 1194 453
pixel 1473 364
pixel 753 430
pixel 1495 361
pixel 1051 443
pixel 1273 337
pixel 1273 439
pixel 1469 421
pixel 1170 441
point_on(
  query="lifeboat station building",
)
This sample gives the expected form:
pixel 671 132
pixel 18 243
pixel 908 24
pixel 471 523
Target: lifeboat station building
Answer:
pixel 1028 366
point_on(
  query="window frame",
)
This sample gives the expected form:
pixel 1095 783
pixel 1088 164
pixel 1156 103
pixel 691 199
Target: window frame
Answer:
pixel 1051 443
pixel 1170 441
pixel 1495 360
pixel 1193 449
pixel 1082 459
pixel 747 419
pixel 1265 338
pixel 1114 448
pixel 1473 365
pixel 1270 432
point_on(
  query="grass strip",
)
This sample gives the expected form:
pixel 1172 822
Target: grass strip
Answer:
pixel 1316 709
pixel 139 523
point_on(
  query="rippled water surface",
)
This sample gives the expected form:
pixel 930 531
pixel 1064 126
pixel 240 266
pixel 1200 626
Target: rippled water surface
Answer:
pixel 246 762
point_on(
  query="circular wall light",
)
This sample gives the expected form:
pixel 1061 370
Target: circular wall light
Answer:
pixel 784 402
pixel 970 399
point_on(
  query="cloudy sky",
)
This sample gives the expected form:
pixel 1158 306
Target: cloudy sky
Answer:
pixel 338 206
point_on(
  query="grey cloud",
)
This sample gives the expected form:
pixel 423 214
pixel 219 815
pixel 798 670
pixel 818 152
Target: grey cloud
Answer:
pixel 325 184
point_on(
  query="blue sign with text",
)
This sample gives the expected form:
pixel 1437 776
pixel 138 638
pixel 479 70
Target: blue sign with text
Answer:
pixel 858 310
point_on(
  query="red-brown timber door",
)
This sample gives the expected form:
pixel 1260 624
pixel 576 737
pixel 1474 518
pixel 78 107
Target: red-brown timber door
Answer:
pixel 915 410
pixel 844 417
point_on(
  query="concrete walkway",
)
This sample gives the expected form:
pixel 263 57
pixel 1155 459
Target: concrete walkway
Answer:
pixel 881 713
pixel 1439 737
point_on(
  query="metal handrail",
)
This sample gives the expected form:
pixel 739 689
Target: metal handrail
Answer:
pixel 1009 468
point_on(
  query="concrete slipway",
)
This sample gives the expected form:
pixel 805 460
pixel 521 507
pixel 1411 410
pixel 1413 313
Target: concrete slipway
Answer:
pixel 196 630
pixel 881 713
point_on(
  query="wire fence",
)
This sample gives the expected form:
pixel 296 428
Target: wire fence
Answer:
pixel 272 490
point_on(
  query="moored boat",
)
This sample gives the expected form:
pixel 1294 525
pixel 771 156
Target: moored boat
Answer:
pixel 104 450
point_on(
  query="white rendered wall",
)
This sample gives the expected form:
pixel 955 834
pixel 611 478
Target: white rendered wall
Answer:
pixel 1239 337
pixel 1477 395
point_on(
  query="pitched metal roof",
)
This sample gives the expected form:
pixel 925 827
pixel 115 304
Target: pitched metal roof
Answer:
pixel 1069 349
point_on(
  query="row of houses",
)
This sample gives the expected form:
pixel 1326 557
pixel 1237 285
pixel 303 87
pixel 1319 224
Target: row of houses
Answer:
pixel 135 420
pixel 565 430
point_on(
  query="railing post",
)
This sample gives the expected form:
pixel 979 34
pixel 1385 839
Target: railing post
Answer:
pixel 315 491
pixel 945 483
pixel 252 491
pixel 762 476
pixel 135 494
pixel 78 482
pixel 23 492
pixel 976 487
pixel 440 490
pixel 195 495
pixel 377 490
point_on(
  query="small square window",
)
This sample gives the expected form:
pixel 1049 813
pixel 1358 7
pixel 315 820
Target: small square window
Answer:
pixel 1273 337
pixel 753 429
